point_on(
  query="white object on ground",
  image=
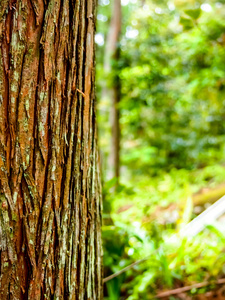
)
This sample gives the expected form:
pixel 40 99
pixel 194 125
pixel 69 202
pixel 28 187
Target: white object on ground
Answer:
pixel 207 217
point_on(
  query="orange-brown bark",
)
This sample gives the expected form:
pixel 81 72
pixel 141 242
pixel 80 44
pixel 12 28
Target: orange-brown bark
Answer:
pixel 50 196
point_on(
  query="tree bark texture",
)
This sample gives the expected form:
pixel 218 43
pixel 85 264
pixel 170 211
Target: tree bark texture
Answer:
pixel 112 55
pixel 50 193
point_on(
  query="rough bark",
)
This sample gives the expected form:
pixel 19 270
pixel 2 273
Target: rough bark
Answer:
pixel 112 55
pixel 50 195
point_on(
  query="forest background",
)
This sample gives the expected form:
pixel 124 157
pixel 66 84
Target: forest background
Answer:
pixel 168 68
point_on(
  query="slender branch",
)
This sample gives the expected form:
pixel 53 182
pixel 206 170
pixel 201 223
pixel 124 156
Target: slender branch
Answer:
pixel 130 266
pixel 188 288
pixel 125 269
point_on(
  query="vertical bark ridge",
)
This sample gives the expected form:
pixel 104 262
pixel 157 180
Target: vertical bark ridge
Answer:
pixel 50 194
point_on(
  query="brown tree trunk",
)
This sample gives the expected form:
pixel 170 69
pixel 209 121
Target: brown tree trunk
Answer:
pixel 50 196
pixel 112 55
pixel 115 123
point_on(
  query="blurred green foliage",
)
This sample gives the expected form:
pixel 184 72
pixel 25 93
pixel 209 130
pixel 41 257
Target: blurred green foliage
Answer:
pixel 172 72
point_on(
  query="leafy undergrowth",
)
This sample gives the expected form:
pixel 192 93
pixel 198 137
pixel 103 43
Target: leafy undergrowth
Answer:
pixel 145 221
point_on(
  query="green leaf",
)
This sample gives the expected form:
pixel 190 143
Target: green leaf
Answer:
pixel 186 22
pixel 113 288
pixel 193 13
pixel 187 211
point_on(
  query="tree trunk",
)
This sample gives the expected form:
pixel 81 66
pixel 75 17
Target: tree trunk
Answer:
pixel 115 122
pixel 112 55
pixel 50 194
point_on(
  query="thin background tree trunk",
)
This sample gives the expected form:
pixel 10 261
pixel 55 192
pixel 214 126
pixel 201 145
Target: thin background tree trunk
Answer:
pixel 112 55
pixel 50 196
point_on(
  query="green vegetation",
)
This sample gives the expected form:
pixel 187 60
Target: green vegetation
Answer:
pixel 172 119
